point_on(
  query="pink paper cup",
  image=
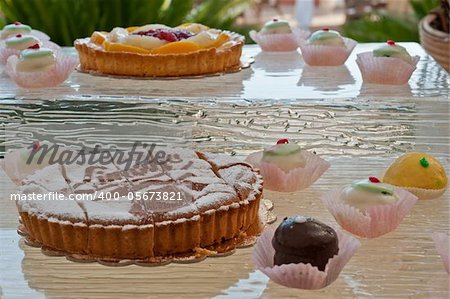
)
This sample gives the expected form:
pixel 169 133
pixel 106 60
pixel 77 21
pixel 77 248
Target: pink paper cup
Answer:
pixel 6 52
pixel 15 166
pixel 299 178
pixel 56 75
pixel 442 243
pixel 302 276
pixel 282 42
pixel 322 55
pixel 385 70
pixel 375 221
pixel 40 35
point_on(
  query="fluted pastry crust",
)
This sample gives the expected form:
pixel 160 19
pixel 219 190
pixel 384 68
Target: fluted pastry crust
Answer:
pixel 93 58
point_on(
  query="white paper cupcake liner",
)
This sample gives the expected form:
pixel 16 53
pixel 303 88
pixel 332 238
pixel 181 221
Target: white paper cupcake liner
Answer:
pixel 375 221
pixel 302 276
pixel 6 52
pixel 299 178
pixel 442 243
pixel 323 55
pixel 385 70
pixel 282 42
pixel 56 75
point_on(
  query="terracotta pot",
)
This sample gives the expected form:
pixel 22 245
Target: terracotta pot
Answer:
pixel 435 42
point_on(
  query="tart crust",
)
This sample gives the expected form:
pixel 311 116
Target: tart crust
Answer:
pixel 94 58
pixel 151 239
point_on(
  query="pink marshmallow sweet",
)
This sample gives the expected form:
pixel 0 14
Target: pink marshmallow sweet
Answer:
pixel 385 70
pixel 299 178
pixel 54 76
pixel 376 220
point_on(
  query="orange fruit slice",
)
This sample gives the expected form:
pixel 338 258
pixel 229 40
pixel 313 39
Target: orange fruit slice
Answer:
pixel 98 37
pixel 177 47
pixel 117 47
pixel 131 29
pixel 220 40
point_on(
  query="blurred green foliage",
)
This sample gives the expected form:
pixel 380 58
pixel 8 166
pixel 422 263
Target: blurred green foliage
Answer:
pixel 381 26
pixel 422 7
pixel 66 20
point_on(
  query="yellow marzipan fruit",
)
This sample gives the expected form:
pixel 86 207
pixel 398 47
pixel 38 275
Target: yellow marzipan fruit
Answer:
pixel 417 170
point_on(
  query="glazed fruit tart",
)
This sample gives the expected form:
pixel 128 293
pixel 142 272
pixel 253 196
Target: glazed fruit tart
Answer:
pixel 160 51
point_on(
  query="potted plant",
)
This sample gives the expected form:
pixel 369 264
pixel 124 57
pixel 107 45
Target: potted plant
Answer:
pixel 434 34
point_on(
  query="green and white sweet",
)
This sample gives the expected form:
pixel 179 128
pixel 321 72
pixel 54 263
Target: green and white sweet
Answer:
pixel 286 156
pixel 367 193
pixel 326 37
pixel 276 26
pixel 21 42
pixel 391 49
pixel 15 28
pixel 35 59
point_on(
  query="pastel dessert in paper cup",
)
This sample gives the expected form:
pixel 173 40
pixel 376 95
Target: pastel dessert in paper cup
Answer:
pixel 369 208
pixel 303 253
pixel 442 244
pixel 278 36
pixel 326 48
pixel 388 64
pixel 19 28
pixel 40 67
pixel 419 173
pixel 19 163
pixel 286 167
pixel 15 44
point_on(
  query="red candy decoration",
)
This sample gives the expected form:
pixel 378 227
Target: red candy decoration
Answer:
pixel 36 146
pixel 17 23
pixel 326 29
pixel 391 43
pixel 35 46
pixel 282 141
pixel 19 35
pixel 374 179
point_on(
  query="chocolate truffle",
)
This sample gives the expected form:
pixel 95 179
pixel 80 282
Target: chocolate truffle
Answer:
pixel 301 239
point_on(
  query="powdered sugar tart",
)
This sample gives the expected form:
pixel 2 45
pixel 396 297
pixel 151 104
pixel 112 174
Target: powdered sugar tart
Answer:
pixel 218 210
pixel 160 51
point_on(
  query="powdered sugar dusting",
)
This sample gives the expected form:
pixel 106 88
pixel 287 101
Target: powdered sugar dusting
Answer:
pixel 188 173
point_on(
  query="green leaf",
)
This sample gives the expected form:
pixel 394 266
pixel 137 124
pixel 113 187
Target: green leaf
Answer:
pixel 66 20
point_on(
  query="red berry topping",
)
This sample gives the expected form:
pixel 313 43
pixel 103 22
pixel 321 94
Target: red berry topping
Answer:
pixel 282 141
pixel 374 179
pixel 35 46
pixel 391 43
pixel 326 29
pixel 17 23
pixel 36 146
pixel 19 35
pixel 166 34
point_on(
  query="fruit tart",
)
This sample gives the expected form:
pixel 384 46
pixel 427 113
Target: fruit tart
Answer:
pixel 160 51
